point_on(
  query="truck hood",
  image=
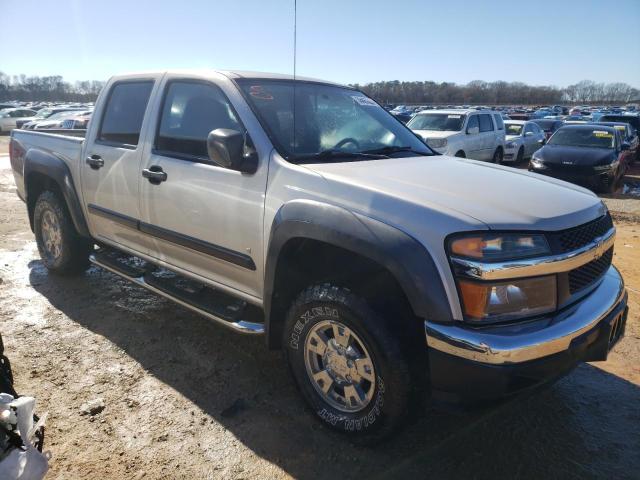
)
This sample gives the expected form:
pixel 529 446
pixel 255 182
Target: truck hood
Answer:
pixel 500 197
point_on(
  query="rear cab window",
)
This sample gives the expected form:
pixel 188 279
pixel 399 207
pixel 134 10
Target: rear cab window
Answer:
pixel 123 113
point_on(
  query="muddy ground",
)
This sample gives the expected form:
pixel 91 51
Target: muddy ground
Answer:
pixel 185 399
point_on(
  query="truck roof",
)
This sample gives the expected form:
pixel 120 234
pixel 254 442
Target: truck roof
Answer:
pixel 232 74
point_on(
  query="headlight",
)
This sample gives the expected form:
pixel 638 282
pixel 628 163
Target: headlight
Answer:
pixel 510 145
pixel 604 168
pixel 500 300
pixel 499 247
pixel 537 163
pixel 437 142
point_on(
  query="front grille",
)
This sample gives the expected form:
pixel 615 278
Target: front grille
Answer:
pixel 578 237
pixel 588 273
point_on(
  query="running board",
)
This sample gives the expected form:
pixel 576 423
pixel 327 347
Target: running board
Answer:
pixel 226 311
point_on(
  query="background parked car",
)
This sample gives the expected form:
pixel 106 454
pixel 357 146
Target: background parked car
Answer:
pixel 77 121
pixel 56 120
pixel 631 119
pixel 30 123
pixel 477 134
pixel 589 155
pixel 9 117
pixel 522 140
pixel 630 136
pixel 549 126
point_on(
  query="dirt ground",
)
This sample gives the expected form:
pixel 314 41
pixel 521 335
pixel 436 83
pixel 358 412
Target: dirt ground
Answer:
pixel 186 399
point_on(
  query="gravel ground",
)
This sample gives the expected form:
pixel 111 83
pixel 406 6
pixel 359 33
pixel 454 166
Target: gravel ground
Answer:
pixel 176 397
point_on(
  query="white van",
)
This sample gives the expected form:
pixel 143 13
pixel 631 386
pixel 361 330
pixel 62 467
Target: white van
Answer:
pixel 477 134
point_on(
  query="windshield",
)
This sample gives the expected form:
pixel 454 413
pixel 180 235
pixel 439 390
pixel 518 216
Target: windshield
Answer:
pixel 512 129
pixel 583 137
pixel 439 122
pixel 44 113
pixel 327 118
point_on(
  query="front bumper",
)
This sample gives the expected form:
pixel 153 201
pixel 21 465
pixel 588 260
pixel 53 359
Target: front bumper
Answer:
pixel 588 178
pixel 472 363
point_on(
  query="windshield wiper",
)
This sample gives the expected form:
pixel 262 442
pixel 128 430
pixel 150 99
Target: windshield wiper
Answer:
pixel 393 149
pixel 328 155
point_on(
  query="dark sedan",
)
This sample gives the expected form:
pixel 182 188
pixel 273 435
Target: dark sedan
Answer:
pixel 588 155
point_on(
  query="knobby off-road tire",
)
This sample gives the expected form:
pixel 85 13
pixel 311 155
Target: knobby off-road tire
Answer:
pixel 348 362
pixel 62 249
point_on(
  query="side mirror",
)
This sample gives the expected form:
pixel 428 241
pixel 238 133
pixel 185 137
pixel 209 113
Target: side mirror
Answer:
pixel 542 141
pixel 625 146
pixel 473 130
pixel 230 149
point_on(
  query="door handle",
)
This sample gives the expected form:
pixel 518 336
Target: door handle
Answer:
pixel 95 161
pixel 154 174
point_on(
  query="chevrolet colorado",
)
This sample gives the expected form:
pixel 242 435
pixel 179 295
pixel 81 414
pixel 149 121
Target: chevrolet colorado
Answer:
pixel 302 211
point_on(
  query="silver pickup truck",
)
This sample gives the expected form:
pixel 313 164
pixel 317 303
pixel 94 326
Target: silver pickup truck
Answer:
pixel 302 211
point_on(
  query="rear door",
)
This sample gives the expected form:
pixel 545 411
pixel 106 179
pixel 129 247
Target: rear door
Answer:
pixel 205 219
pixel 110 169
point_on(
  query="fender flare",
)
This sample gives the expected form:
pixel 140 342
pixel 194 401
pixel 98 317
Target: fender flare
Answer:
pixel 54 168
pixel 402 255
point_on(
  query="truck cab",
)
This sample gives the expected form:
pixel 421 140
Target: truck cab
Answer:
pixel 302 211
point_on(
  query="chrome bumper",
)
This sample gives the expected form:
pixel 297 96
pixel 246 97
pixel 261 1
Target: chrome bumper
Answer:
pixel 515 343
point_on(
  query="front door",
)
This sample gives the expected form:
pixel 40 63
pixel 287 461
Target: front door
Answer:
pixel 110 170
pixel 205 219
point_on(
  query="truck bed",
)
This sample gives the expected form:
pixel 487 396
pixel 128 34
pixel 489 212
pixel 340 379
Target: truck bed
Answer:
pixel 65 144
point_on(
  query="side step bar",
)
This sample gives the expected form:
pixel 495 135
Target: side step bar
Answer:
pixel 143 276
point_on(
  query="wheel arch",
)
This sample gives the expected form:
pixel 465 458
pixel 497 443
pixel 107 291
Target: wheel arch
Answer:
pixel 305 229
pixel 44 171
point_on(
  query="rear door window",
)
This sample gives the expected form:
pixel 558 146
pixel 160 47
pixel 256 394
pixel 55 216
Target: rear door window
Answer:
pixel 486 125
pixel 124 112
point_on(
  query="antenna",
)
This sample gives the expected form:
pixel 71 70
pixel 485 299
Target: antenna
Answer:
pixel 295 38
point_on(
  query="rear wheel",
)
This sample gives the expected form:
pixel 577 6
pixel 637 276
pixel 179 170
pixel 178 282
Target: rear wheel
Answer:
pixel 62 249
pixel 351 368
pixel 460 154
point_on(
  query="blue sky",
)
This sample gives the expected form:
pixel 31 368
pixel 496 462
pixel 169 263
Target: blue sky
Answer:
pixel 555 42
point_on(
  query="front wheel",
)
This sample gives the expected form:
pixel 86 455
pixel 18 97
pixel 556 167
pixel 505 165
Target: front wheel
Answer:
pixel 348 364
pixel 498 156
pixel 62 249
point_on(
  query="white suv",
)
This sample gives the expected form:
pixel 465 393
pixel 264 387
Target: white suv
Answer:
pixel 477 134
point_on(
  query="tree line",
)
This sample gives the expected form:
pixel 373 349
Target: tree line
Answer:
pixel 54 88
pixel 47 89
pixel 479 92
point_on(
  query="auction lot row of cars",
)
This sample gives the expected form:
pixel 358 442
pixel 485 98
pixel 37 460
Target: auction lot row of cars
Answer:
pixel 591 150
pixel 595 148
pixel 44 116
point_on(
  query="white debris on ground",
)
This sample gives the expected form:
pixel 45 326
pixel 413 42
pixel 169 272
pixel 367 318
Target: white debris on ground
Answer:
pixel 631 189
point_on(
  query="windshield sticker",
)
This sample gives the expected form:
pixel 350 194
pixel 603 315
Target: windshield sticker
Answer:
pixel 257 91
pixel 454 116
pixel 601 134
pixel 364 101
